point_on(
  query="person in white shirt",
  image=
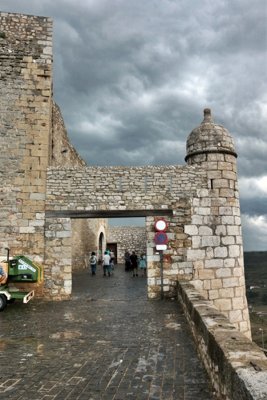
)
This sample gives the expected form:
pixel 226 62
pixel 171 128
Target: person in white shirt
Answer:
pixel 106 264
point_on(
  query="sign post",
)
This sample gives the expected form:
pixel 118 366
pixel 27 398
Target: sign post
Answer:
pixel 161 240
pixel 161 274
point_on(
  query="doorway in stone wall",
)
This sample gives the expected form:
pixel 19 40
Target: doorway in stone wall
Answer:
pixel 79 282
pixel 112 247
pixel 119 235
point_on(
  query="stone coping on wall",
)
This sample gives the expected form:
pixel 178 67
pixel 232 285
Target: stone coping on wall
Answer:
pixel 237 366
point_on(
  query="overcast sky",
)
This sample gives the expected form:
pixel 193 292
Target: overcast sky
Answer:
pixel 132 78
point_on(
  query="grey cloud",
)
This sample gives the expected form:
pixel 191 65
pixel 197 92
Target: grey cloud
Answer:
pixel 257 207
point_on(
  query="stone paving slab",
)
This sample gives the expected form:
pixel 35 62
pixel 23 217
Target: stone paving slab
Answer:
pixel 109 342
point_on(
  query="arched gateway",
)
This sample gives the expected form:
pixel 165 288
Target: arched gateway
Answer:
pixel 46 186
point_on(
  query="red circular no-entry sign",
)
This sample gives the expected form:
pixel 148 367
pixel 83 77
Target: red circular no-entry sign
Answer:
pixel 160 225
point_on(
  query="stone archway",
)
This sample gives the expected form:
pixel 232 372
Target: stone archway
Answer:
pixel 58 237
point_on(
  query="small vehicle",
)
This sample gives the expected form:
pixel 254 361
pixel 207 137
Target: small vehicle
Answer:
pixel 18 270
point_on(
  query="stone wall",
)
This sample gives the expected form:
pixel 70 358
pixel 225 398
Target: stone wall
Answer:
pixel 25 130
pixel 32 137
pixel 85 239
pixel 128 238
pixel 165 188
pixel 63 153
pixel 85 232
pixel 45 182
pixel 237 367
pixel 203 237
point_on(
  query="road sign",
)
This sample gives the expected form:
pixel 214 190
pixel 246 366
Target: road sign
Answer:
pixel 160 225
pixel 161 247
pixel 161 238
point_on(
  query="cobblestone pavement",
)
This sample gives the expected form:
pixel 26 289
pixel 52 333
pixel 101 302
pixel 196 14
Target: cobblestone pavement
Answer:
pixel 109 342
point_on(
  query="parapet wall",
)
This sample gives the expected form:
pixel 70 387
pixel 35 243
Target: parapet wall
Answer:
pixel 237 367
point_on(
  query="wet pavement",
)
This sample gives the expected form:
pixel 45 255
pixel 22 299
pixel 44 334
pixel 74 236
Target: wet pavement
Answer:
pixel 109 342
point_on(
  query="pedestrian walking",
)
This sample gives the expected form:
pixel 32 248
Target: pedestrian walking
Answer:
pixel 142 264
pixel 127 261
pixel 93 262
pixel 112 260
pixel 106 264
pixel 134 263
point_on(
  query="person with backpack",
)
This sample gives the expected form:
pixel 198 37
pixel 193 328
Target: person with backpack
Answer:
pixel 93 262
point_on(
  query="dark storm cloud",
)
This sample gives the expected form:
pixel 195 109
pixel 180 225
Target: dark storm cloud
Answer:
pixel 132 78
pixel 257 207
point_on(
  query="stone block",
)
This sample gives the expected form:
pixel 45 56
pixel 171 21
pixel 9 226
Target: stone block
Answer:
pixel 205 231
pixel 233 230
pixel 37 196
pixel 204 210
pixel 223 304
pixel 196 240
pixel 195 255
pixel 228 193
pixel 220 252
pixel 235 316
pixel 229 262
pixel 63 234
pixel 228 240
pixel 234 251
pixel 230 282
pixel 225 210
pixel 197 220
pixel 213 294
pixel 27 229
pixel 198 264
pixel 206 274
pixel 191 230
pixel 228 220
pixel 224 293
pixel 213 263
pixel 238 303
pixel 212 241
pixel 216 284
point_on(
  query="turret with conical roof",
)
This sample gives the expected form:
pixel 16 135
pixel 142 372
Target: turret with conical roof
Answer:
pixel 217 250
pixel 209 138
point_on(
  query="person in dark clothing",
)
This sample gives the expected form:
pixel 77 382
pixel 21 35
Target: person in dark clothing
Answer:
pixel 127 261
pixel 134 263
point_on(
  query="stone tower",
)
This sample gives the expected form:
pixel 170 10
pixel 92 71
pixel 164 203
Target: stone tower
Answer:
pixel 25 130
pixel 216 233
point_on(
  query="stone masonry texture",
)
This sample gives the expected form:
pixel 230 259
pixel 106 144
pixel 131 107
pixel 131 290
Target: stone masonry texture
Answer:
pixel 32 136
pixel 127 238
pixel 46 187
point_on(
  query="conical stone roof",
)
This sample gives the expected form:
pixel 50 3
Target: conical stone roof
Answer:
pixel 209 138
